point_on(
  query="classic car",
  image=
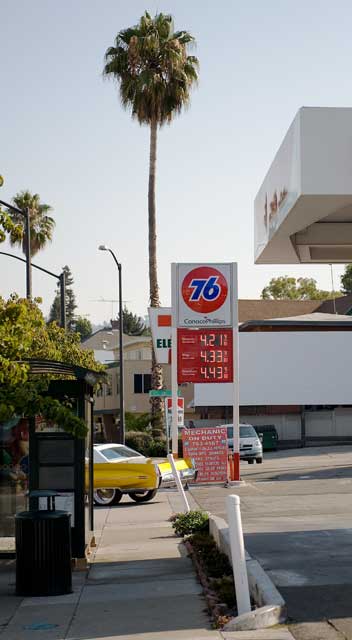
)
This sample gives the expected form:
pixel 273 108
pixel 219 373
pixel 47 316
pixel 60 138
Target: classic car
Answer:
pixel 133 474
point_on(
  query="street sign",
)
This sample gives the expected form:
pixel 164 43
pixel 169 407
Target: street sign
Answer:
pixel 204 355
pixel 161 393
pixel 204 295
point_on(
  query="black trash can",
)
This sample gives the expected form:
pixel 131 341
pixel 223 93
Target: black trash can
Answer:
pixel 43 550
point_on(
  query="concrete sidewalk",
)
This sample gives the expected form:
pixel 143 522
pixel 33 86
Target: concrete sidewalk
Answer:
pixel 140 585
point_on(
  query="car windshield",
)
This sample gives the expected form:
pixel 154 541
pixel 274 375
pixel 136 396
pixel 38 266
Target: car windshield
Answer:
pixel 230 432
pixel 248 432
pixel 117 453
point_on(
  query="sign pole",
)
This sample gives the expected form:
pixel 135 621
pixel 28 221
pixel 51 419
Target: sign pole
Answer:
pixel 174 385
pixel 236 411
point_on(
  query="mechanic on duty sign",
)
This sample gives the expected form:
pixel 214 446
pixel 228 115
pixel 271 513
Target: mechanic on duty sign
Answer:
pixel 204 295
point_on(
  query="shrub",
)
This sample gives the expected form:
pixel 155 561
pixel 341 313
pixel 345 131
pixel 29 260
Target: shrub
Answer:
pixel 225 590
pixel 186 523
pixel 139 440
pixel 215 562
pixel 157 449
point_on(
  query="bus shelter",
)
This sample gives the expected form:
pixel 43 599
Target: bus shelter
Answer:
pixel 37 454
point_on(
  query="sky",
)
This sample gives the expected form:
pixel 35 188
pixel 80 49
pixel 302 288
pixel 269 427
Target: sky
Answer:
pixel 64 135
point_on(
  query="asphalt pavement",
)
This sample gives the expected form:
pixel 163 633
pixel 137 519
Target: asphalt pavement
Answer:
pixel 297 517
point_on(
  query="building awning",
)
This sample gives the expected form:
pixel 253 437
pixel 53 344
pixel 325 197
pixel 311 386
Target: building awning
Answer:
pixel 303 210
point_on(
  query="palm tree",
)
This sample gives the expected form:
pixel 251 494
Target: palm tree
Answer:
pixel 155 75
pixel 41 225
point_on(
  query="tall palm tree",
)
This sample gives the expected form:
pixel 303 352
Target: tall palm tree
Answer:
pixel 155 75
pixel 41 224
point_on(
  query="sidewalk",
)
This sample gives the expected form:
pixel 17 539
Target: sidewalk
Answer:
pixel 140 585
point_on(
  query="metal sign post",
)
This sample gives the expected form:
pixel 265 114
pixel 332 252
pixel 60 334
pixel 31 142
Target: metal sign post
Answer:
pixel 236 386
pixel 174 385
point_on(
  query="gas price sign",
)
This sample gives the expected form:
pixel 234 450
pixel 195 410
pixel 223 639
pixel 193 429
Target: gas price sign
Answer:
pixel 205 355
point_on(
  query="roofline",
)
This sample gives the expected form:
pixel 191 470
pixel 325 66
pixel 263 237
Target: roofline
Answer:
pixel 294 323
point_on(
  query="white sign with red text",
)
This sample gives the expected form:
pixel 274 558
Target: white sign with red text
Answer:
pixel 180 412
pixel 204 295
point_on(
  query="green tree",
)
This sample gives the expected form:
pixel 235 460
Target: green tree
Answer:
pixel 41 224
pixel 24 335
pixel 288 288
pixel 83 326
pixel 71 305
pixel 7 226
pixel 346 280
pixel 133 325
pixel 155 74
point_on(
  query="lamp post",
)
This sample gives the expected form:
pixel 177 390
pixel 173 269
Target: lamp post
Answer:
pixel 103 247
pixel 61 278
pixel 26 215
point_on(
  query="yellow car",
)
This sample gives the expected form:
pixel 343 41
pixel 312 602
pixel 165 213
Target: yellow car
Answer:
pixel 184 466
pixel 119 470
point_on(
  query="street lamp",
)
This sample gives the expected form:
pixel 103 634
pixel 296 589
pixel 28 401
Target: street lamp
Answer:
pixel 103 247
pixel 26 215
pixel 61 278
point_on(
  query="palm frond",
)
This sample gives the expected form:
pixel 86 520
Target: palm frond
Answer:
pixel 150 63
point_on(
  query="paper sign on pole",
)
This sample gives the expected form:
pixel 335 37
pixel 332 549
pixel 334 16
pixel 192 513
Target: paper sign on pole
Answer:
pixel 180 412
pixel 208 448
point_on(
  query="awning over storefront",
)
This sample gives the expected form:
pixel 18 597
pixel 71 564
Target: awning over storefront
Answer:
pixel 303 210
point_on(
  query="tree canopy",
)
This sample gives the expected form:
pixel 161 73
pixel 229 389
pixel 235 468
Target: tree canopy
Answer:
pixel 346 280
pixel 71 305
pixel 24 335
pixel 154 72
pixel 289 288
pixel 133 325
pixel 41 224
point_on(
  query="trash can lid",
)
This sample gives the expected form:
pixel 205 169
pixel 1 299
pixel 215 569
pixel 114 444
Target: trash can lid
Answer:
pixel 42 493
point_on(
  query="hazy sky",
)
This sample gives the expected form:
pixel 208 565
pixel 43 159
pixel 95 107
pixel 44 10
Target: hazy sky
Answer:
pixel 64 135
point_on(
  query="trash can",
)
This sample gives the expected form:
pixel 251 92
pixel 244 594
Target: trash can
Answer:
pixel 43 550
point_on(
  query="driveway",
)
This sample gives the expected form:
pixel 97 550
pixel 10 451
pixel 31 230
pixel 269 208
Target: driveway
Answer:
pixel 297 518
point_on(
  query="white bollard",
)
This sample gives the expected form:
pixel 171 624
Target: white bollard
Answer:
pixel 238 554
pixel 176 475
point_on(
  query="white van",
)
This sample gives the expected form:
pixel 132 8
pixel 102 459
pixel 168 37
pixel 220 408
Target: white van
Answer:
pixel 251 447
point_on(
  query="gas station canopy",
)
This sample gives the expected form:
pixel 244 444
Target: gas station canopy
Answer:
pixel 303 210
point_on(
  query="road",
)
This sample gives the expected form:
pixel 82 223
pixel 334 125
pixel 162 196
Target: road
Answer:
pixel 297 518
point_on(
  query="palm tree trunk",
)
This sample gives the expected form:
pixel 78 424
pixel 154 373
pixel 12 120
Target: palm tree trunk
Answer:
pixel 157 377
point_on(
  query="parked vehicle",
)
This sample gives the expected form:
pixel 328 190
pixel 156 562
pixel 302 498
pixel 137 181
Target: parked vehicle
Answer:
pixel 268 435
pixel 120 470
pixel 133 474
pixel 185 467
pixel 250 445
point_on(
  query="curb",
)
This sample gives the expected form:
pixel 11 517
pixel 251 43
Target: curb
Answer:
pixel 272 608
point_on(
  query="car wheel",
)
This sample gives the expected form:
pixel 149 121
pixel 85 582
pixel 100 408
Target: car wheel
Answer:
pixel 143 496
pixel 250 461
pixel 259 460
pixel 106 497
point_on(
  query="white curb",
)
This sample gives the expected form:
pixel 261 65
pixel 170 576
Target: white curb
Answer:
pixel 272 608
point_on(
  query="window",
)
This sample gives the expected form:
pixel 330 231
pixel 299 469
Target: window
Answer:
pixel 142 382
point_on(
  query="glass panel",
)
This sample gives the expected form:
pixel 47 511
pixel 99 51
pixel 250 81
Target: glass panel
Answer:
pixel 14 448
pixel 147 382
pixel 56 478
pixel 247 432
pixel 138 383
pixel 57 451
pixel 116 453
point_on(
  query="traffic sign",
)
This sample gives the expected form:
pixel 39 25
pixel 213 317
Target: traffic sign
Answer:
pixel 161 393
